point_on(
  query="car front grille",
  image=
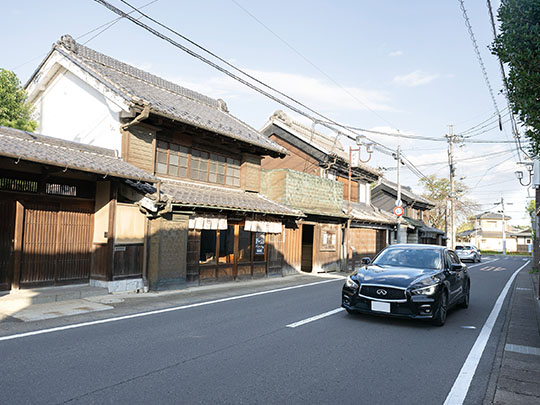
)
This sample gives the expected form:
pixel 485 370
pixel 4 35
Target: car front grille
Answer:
pixel 374 291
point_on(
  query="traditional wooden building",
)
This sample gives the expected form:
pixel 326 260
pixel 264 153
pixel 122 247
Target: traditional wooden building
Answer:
pixel 207 219
pixel 416 213
pixel 67 214
pixel 360 229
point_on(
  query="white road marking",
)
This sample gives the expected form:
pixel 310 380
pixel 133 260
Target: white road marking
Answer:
pixel 482 264
pixel 523 289
pixel 160 311
pixel 469 327
pixel 315 318
pixel 459 390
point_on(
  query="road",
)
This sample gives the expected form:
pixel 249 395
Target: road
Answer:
pixel 258 348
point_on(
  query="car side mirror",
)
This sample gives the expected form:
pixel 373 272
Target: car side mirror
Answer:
pixel 456 267
pixel 366 260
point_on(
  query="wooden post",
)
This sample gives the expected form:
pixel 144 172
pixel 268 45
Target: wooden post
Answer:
pixel 17 245
pixel 110 230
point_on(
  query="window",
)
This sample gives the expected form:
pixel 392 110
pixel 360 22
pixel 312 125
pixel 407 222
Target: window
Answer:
pixel 208 247
pixel 199 165
pixel 178 160
pixel 364 193
pixel 30 186
pixel 174 160
pixel 328 240
pixel 61 189
pixel 528 241
pixel 233 172
pixel 161 158
pixel 244 245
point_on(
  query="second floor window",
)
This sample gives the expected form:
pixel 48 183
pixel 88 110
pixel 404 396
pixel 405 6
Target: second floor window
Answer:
pixel 180 161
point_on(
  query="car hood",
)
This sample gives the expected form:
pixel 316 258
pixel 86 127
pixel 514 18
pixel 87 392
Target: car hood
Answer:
pixel 403 277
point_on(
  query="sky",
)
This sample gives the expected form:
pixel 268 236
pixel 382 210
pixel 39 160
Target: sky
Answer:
pixel 380 65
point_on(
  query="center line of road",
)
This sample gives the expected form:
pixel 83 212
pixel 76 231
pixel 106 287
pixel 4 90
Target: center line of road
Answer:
pixel 461 386
pixel 161 311
pixel 315 318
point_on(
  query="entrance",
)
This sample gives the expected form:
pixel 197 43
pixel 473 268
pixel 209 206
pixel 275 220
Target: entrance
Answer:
pixel 307 247
pixel 57 244
pixel 7 226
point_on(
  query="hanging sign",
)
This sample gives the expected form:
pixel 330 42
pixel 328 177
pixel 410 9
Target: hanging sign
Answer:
pixel 398 211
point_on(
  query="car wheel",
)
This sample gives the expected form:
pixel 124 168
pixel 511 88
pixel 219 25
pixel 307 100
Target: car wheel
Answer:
pixel 464 303
pixel 440 319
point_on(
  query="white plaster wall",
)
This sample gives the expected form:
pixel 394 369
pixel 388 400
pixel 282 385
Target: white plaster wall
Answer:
pixel 71 109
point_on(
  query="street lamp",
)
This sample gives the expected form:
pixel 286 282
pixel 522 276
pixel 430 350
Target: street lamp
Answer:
pixel 519 173
pixel 369 149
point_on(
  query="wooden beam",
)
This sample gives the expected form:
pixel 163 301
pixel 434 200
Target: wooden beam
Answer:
pixel 17 245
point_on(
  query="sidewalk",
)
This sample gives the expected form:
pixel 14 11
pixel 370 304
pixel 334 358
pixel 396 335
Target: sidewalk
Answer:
pixel 515 376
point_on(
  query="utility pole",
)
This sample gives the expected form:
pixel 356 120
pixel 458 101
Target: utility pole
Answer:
pixel 452 198
pixel 504 225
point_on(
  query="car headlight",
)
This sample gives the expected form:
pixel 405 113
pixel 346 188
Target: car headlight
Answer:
pixel 349 282
pixel 425 290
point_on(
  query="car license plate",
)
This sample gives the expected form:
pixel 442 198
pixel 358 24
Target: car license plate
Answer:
pixel 380 306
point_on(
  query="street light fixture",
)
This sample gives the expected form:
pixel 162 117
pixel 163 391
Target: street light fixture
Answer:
pixel 519 173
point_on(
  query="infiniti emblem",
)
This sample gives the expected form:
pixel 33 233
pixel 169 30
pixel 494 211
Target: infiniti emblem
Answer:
pixel 381 292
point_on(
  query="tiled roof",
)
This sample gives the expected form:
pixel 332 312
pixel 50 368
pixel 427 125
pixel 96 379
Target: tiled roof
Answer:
pixel 215 197
pixel 367 213
pixel 164 97
pixel 32 147
pixel 491 215
pixel 418 223
pixel 406 192
pixel 328 145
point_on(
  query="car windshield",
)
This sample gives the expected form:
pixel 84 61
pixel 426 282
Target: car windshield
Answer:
pixel 460 247
pixel 410 257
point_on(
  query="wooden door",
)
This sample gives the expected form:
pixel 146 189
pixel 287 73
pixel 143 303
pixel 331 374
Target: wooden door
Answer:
pixel 7 226
pixel 57 244
pixel 274 255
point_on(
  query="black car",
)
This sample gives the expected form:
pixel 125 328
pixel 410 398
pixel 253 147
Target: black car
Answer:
pixel 411 281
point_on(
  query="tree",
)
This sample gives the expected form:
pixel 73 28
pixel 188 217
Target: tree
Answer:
pixel 438 190
pixel 15 111
pixel 531 212
pixel 518 45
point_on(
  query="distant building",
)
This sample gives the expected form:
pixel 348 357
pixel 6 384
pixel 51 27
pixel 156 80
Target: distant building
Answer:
pixel 314 178
pixel 416 215
pixel 487 234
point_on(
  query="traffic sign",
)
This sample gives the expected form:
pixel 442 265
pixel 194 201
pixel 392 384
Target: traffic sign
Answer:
pixel 398 211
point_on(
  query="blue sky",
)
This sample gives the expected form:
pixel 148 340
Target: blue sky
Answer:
pixel 383 65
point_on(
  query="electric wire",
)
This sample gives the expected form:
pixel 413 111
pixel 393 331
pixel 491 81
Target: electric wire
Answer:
pixel 108 25
pixel 505 84
pixel 309 61
pixel 327 122
pixel 491 118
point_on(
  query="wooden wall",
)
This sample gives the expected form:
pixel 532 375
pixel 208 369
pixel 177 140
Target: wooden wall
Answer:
pixel 295 160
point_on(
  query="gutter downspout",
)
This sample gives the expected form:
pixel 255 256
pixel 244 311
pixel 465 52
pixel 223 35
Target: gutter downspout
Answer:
pixel 145 113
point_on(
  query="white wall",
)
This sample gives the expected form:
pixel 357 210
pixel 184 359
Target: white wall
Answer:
pixel 71 109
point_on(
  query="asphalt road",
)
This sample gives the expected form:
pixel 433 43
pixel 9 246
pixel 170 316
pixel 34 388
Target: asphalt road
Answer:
pixel 241 351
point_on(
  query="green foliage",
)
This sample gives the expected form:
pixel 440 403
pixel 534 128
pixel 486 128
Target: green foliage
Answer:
pixel 438 190
pixel 531 211
pixel 15 112
pixel 518 45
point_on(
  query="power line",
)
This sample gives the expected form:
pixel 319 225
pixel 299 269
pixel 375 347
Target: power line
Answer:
pixel 478 55
pixel 327 122
pixel 505 84
pixel 309 61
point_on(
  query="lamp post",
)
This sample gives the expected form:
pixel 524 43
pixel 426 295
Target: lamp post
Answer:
pixel 369 149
